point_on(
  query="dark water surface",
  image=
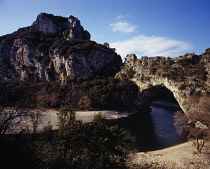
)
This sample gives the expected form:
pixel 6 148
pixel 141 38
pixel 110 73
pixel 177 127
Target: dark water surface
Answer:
pixel 154 130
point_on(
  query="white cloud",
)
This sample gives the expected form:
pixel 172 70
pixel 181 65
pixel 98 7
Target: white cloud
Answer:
pixel 123 27
pixel 151 46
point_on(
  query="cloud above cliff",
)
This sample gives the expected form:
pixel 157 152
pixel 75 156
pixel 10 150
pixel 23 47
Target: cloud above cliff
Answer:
pixel 151 46
pixel 123 27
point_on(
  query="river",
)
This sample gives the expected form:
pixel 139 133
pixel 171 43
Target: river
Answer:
pixel 154 130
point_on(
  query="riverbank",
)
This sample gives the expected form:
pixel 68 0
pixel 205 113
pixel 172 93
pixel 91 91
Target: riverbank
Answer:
pixel 49 117
pixel 182 156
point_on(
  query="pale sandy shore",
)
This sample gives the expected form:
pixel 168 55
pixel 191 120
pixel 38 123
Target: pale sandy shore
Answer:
pixel 182 156
pixel 84 116
pixel 49 117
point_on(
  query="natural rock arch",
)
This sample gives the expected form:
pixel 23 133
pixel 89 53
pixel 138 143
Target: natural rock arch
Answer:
pixel 186 77
pixel 151 89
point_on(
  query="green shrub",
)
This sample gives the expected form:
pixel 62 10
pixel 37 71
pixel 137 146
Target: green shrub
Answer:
pixel 95 145
pixel 182 87
pixel 153 70
pixel 184 62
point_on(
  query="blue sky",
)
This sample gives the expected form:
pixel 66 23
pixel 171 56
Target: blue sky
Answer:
pixel 144 27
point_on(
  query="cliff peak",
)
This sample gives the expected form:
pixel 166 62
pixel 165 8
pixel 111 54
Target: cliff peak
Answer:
pixel 53 48
pixel 49 23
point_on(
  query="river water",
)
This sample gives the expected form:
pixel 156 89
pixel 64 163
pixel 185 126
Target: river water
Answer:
pixel 154 130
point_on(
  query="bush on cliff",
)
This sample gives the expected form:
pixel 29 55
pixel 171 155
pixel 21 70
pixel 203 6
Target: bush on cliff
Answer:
pixel 185 69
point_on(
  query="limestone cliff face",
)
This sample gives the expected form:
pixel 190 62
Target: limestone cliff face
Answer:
pixel 48 23
pixel 53 48
pixel 186 76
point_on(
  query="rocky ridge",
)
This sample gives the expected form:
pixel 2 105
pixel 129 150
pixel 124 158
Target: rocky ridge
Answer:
pixel 53 48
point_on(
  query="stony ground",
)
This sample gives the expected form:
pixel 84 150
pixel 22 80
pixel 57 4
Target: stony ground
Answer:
pixel 182 156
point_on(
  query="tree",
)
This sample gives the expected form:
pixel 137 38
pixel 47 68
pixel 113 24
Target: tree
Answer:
pixel 10 118
pixel 31 121
pixel 109 146
pixel 66 119
pixel 197 122
pixel 59 149
pixel 77 145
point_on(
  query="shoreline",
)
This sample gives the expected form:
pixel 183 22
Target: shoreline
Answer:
pixel 49 117
pixel 182 156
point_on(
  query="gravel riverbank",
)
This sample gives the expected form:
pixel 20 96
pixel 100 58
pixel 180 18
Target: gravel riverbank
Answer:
pixel 182 156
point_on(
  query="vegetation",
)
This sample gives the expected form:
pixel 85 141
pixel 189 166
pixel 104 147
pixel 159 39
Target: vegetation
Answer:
pixel 89 92
pixel 94 145
pixel 182 70
pixel 73 145
pixel 9 118
pixel 196 123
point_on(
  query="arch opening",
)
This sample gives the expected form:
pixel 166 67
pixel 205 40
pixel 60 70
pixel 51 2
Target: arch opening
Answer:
pixel 163 108
pixel 161 93
pixel 158 126
pixel 154 130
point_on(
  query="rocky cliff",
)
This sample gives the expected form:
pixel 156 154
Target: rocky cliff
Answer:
pixel 53 48
pixel 58 48
pixel 48 23
pixel 187 77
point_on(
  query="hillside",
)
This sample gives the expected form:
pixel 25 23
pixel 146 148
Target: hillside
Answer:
pixel 53 62
pixel 53 48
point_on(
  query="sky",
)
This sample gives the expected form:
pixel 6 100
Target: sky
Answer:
pixel 142 27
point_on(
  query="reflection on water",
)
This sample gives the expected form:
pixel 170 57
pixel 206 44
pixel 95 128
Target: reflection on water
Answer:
pixel 154 130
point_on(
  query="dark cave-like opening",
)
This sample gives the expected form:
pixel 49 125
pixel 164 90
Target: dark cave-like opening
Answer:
pixel 161 93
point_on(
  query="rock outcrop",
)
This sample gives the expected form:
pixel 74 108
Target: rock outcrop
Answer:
pixel 48 23
pixel 186 77
pixel 53 48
